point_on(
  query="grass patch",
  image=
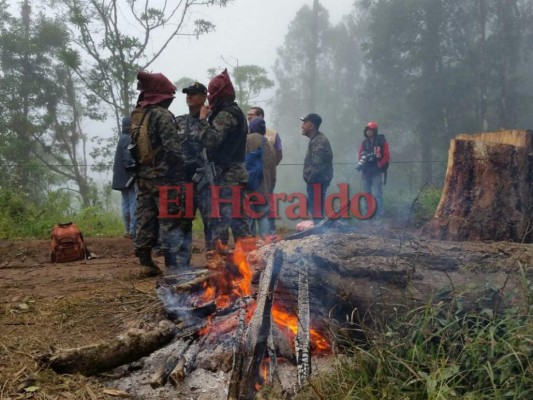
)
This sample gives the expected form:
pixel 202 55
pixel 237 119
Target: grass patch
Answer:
pixel 23 218
pixel 437 352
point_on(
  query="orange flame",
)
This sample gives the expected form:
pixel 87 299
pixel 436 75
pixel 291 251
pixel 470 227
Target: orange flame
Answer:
pixel 235 281
pixel 290 322
pixel 263 374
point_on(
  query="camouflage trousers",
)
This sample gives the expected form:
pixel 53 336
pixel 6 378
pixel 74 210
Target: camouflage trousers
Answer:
pixel 201 203
pixel 226 210
pixel 153 227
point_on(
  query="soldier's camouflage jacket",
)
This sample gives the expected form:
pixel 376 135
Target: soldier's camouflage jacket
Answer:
pixel 318 164
pixel 212 134
pixel 168 155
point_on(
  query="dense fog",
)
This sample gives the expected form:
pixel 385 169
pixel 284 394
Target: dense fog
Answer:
pixel 425 71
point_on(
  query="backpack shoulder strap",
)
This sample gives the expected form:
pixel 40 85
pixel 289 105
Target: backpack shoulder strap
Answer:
pixel 145 114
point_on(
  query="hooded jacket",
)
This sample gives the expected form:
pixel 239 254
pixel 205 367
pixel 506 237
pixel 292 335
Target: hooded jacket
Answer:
pixel 379 146
pixel 255 139
pixel 155 88
pixel 224 133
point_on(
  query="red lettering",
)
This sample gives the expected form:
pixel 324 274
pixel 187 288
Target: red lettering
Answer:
pixel 164 201
pixel 317 200
pixel 234 200
pixel 301 206
pixel 273 204
pixel 355 206
pixel 342 196
pixel 189 200
pixel 249 202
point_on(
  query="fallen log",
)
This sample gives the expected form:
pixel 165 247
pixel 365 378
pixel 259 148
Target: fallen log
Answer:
pixel 354 274
pixel 96 358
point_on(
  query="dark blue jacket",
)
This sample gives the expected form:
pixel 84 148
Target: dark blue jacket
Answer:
pixel 123 158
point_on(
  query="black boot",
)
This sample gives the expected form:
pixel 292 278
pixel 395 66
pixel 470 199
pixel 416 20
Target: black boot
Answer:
pixel 148 267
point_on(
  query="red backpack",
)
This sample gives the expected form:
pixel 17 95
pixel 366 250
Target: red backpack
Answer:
pixel 67 243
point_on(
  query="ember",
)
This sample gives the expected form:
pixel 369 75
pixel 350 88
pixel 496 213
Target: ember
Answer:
pixel 235 281
pixel 289 323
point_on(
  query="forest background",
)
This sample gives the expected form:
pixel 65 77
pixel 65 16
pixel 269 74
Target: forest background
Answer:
pixel 426 70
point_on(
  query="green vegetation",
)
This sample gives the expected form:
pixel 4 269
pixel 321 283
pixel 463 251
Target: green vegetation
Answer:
pixel 437 352
pixel 22 218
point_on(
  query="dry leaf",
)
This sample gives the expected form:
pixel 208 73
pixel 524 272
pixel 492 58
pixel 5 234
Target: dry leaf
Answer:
pixel 90 392
pixel 116 393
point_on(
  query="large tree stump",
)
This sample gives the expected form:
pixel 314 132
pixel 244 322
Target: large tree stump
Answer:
pixel 488 190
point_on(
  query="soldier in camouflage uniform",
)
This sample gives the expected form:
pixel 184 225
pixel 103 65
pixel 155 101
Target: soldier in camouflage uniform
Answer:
pixel 222 130
pixel 167 169
pixel 196 95
pixel 318 165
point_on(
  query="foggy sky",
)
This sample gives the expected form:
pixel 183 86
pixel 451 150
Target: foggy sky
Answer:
pixel 247 32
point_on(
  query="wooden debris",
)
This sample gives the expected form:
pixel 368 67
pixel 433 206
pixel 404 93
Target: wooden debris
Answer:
pixel 186 362
pixel 258 331
pixel 233 390
pixel 161 376
pixel 195 283
pixel 92 359
pixel 301 341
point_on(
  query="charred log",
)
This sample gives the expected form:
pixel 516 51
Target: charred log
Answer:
pixel 92 359
pixel 186 362
pixel 160 377
pixel 302 342
pixel 256 338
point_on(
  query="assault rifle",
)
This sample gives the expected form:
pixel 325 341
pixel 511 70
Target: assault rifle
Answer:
pixel 132 148
pixel 205 174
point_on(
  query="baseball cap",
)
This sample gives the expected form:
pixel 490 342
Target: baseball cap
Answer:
pixel 314 118
pixel 194 88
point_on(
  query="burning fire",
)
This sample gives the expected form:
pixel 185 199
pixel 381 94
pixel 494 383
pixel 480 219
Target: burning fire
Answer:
pixel 290 322
pixel 235 280
pixel 263 373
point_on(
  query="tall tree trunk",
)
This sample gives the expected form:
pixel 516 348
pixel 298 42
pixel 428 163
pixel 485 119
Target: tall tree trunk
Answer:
pixel 22 125
pixel 482 26
pixel 312 60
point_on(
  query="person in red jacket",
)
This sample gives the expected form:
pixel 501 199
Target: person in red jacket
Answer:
pixel 374 157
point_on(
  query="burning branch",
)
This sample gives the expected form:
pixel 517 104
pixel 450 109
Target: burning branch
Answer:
pixel 302 343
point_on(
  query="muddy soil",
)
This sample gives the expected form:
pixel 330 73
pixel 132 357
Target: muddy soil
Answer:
pixel 45 305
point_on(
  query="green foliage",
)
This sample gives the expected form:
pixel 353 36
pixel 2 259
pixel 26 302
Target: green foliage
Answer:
pixel 249 81
pixel 437 352
pixel 21 218
pixel 426 205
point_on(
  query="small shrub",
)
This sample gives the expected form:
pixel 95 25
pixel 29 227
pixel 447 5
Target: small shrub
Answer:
pixel 21 218
pixel 426 206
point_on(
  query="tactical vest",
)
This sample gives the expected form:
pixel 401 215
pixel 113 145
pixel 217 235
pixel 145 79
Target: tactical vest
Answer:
pixel 233 148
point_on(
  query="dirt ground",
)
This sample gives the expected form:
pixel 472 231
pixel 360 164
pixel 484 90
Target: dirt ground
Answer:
pixel 45 305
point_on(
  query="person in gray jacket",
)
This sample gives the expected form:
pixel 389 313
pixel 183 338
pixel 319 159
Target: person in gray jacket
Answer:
pixel 123 166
